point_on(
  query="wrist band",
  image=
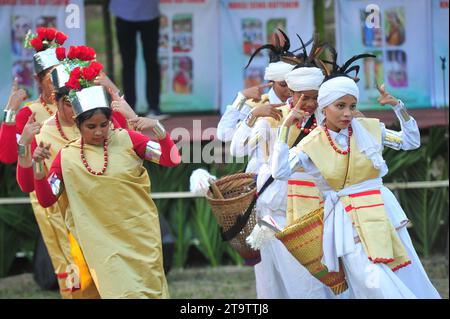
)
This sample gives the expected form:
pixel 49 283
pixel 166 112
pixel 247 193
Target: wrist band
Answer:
pixel 24 150
pixel 250 119
pixel 159 131
pixel 283 133
pixel 401 111
pixel 38 167
pixel 239 101
pixel 10 117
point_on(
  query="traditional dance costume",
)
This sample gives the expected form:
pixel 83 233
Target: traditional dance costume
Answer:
pixel 360 215
pixel 112 215
pixel 280 275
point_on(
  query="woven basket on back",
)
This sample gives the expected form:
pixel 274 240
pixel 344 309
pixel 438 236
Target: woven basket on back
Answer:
pixel 238 191
pixel 304 240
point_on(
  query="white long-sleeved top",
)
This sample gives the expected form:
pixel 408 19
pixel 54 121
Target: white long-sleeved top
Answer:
pixel 285 161
pixel 339 234
pixel 230 119
pixel 258 142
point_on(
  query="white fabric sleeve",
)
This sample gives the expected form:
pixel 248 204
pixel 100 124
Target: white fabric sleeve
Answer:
pixel 239 146
pixel 229 121
pixel 409 136
pixel 280 163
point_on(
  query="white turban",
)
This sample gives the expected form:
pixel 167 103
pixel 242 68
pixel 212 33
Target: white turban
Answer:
pixel 334 89
pixel 304 79
pixel 331 91
pixel 277 71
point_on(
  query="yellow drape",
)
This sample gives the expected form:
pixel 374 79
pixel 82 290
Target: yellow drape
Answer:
pixel 378 236
pixel 53 226
pixel 115 219
pixel 41 113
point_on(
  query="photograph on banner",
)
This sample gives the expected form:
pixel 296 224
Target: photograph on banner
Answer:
pixel 15 21
pixel 391 30
pixel 248 24
pixel 187 60
pixel 440 52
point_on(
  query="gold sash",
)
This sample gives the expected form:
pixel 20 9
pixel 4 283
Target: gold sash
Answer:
pixel 53 227
pixel 115 220
pixel 41 113
pixel 303 195
pixel 379 238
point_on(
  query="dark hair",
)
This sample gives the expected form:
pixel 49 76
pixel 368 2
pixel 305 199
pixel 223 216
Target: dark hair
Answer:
pixel 88 114
pixel 41 75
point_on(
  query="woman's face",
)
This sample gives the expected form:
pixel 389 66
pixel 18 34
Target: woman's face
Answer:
pixel 65 107
pixel 46 86
pixel 339 114
pixel 309 100
pixel 281 90
pixel 95 130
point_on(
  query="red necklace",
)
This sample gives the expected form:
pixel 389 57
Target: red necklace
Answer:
pixel 58 126
pixel 105 158
pixel 299 125
pixel 307 130
pixel 350 133
pixel 44 104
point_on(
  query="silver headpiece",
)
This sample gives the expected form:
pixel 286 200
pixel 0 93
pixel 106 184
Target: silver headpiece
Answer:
pixel 59 78
pixel 89 98
pixel 44 60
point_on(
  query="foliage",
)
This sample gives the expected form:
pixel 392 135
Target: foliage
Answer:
pixel 427 208
pixel 17 225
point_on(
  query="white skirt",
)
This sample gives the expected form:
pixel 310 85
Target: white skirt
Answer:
pixel 280 276
pixel 368 280
pixel 413 275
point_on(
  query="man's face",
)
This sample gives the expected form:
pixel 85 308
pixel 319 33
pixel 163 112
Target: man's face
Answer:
pixel 281 90
pixel 309 100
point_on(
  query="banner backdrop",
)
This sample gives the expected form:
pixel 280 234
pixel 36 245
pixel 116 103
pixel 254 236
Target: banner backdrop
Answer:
pixel 245 26
pixel 15 20
pixel 188 56
pixel 399 34
pixel 440 49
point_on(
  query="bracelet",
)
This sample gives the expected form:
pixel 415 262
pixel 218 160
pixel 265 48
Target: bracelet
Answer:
pixel 23 150
pixel 250 119
pixel 401 111
pixel 239 101
pixel 10 117
pixel 159 131
pixel 38 168
pixel 283 133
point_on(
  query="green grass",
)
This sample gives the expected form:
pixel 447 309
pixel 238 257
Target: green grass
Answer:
pixel 228 282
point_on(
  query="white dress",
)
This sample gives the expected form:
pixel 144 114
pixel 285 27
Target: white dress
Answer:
pixel 366 279
pixel 279 275
pixel 227 126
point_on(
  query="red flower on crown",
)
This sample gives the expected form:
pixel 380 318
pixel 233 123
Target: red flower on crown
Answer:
pixel 96 66
pixel 51 34
pixel 37 44
pixel 44 39
pixel 60 53
pixel 41 33
pixel 60 38
pixel 83 75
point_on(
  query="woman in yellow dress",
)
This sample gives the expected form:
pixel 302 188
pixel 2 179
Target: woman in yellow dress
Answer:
pixel 114 218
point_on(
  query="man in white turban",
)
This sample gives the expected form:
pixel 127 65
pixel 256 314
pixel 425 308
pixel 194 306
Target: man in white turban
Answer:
pixel 279 274
pixel 344 155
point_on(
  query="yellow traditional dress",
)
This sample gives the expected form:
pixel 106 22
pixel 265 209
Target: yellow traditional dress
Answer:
pixel 114 219
pixel 62 247
pixel 50 220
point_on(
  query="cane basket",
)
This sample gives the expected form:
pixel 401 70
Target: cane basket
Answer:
pixel 238 191
pixel 304 240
